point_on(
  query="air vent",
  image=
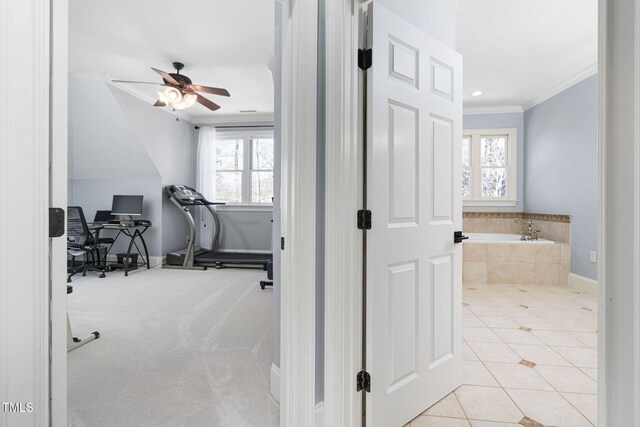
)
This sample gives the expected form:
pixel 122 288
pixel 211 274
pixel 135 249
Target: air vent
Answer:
pixel 248 111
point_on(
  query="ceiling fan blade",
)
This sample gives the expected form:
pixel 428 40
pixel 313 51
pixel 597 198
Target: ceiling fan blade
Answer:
pixel 166 76
pixel 142 83
pixel 212 90
pixel 160 104
pixel 209 104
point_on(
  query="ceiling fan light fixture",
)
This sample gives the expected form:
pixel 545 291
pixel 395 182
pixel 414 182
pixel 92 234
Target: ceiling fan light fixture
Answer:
pixel 172 95
pixel 188 99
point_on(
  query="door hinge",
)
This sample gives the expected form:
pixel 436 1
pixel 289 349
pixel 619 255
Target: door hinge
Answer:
pixel 364 219
pixel 363 381
pixel 365 58
pixel 282 243
pixel 56 222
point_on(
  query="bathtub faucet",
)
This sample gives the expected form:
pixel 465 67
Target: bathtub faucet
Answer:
pixel 531 233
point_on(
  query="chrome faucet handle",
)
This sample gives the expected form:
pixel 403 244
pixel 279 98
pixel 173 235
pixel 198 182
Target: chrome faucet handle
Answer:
pixel 522 236
pixel 518 219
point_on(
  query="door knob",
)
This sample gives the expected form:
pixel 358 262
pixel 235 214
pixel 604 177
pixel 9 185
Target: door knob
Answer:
pixel 458 237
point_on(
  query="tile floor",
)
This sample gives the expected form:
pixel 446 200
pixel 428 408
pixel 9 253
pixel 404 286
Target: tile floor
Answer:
pixel 529 359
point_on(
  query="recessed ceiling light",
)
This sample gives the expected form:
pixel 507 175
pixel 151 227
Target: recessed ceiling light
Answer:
pixel 476 93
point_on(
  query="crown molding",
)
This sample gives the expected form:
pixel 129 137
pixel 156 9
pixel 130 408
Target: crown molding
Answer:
pixel 493 110
pixel 576 78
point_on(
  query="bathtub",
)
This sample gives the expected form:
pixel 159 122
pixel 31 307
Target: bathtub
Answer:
pixel 502 238
pixel 489 258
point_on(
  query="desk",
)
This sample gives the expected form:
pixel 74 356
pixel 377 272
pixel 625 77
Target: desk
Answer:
pixel 130 230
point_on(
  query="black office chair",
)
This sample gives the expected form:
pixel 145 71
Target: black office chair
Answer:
pixel 81 243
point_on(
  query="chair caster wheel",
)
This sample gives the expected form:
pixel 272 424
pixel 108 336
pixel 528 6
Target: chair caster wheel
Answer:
pixel 102 276
pixel 68 279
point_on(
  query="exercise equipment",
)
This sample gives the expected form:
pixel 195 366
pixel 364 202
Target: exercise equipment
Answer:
pixel 196 258
pixel 265 283
pixel 73 342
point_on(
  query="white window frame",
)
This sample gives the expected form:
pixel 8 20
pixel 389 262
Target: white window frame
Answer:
pixel 476 198
pixel 247 168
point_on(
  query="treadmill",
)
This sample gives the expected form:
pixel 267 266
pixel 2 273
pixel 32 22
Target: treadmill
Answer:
pixel 195 258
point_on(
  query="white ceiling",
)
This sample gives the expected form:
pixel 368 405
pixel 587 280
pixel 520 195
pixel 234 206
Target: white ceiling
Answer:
pixel 222 43
pixel 517 50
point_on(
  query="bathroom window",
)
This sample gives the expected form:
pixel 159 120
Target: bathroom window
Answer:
pixel 489 167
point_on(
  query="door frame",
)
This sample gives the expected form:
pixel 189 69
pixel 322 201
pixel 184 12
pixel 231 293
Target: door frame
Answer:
pixel 343 240
pixel 298 213
pixel 343 304
pixel 24 208
pixel 343 301
pixel 298 207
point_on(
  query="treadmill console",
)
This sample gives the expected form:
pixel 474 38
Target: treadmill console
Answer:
pixel 187 196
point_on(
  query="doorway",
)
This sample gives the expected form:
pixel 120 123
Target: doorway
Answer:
pixel 203 341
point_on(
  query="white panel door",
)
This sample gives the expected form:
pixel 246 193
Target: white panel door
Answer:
pixel 414 270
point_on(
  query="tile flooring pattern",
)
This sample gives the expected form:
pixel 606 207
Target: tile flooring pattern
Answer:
pixel 529 359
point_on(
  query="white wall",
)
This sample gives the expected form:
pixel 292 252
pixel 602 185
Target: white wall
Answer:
pixel 435 17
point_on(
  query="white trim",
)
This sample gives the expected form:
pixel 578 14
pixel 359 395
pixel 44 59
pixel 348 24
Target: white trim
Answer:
pixel 25 137
pixel 343 241
pixel 493 110
pixel 583 284
pixel 603 141
pixel 246 251
pixel 298 284
pixel 636 219
pixel 487 202
pixel 476 168
pixel 319 414
pixel 233 118
pixel 58 194
pixel 575 79
pixel 274 380
pixel 244 208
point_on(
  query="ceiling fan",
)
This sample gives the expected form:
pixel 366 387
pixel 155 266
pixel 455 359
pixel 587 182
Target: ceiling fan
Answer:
pixel 181 93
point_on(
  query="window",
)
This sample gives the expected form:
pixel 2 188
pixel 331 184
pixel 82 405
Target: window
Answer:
pixel 489 167
pixel 244 167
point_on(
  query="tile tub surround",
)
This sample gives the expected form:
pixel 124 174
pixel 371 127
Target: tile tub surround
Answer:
pixel 551 226
pixel 515 263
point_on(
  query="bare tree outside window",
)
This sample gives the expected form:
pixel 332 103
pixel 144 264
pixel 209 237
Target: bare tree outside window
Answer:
pixel 244 170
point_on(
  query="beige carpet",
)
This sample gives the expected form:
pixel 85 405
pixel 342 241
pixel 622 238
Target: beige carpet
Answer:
pixel 177 348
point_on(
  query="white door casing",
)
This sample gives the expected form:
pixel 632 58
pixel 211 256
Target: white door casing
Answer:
pixel 414 286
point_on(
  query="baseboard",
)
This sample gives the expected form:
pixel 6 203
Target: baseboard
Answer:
pixel 275 382
pixel 154 261
pixel 245 251
pixel 583 284
pixel 320 414
pixel 275 393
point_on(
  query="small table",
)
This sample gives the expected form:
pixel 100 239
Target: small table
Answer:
pixel 130 229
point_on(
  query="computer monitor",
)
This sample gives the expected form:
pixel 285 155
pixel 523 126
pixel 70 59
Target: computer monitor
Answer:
pixel 126 205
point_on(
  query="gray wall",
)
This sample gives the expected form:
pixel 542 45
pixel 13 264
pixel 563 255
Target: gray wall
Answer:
pixel 496 121
pixel 561 166
pixel 245 229
pixel 119 144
